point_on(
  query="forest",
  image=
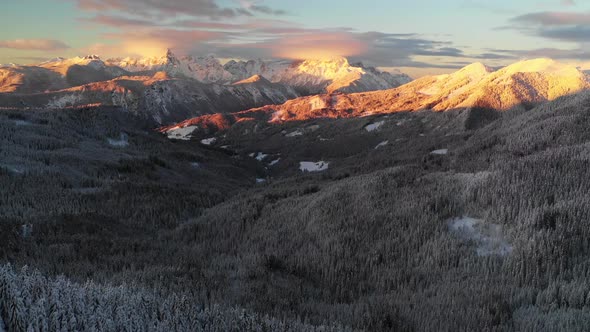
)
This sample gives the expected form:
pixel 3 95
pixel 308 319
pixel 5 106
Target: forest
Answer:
pixel 105 224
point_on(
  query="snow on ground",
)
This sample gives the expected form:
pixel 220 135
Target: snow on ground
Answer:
pixel 310 166
pixel 208 141
pixel 274 162
pixel 297 132
pixel 313 128
pixel 260 180
pixel 440 152
pixel 122 142
pixel 64 101
pixel 374 126
pixel 488 237
pixel 195 165
pixel 22 123
pixel 181 133
pixel 382 144
pixel 258 156
pixel 14 169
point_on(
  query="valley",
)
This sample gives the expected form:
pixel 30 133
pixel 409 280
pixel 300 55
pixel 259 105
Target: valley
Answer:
pixel 251 206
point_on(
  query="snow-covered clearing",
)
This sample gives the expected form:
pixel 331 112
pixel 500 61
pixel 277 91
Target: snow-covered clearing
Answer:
pixel 122 142
pixel 183 133
pixel 208 141
pixel 296 133
pixel 310 166
pixel 258 156
pixel 440 152
pixel 488 237
pixel 374 126
pixel 382 144
pixel 22 123
pixel 14 169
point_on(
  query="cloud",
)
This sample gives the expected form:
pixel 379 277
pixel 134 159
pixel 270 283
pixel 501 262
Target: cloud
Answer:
pixel 246 29
pixel 568 3
pixel 34 44
pixel 553 18
pixel 558 26
pixel 175 8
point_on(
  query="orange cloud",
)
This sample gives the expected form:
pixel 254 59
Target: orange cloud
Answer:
pixel 319 46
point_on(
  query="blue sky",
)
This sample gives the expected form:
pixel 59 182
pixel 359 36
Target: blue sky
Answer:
pixel 432 36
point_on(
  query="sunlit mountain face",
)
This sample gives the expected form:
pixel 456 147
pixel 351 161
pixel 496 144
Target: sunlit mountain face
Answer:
pixel 256 165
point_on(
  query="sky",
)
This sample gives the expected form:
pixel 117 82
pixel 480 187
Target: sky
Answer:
pixel 419 36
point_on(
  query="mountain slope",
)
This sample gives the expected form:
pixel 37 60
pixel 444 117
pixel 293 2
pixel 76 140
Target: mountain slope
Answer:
pixel 160 98
pixel 56 74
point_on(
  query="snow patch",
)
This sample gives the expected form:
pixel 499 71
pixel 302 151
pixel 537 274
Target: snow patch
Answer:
pixel 14 169
pixel 382 144
pixel 274 162
pixel 64 101
pixel 184 133
pixel 488 237
pixel 195 165
pixel 260 156
pixel 374 126
pixel 22 123
pixel 310 166
pixel 260 180
pixel 122 142
pixel 440 152
pixel 295 133
pixel 208 141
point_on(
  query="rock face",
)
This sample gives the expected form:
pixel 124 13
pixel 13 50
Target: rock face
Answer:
pixel 475 87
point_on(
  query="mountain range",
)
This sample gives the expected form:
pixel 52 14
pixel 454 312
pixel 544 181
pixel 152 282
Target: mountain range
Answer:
pixel 476 87
pixel 190 86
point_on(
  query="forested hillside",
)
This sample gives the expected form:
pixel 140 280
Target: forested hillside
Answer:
pixel 418 221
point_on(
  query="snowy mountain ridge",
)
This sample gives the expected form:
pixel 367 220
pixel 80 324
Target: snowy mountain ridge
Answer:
pixel 522 84
pixel 308 76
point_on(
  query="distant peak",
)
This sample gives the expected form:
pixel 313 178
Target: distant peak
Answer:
pixel 545 65
pixel 331 60
pixel 91 57
pixel 171 57
pixel 476 68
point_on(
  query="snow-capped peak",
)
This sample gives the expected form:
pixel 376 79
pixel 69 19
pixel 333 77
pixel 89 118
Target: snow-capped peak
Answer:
pixel 475 69
pixel 543 65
